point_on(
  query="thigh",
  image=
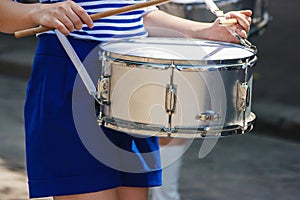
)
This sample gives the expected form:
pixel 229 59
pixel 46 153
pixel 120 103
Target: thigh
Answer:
pixel 121 193
pixel 132 193
pixel 110 194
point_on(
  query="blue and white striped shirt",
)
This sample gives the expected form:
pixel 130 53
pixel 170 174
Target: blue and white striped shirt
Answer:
pixel 122 26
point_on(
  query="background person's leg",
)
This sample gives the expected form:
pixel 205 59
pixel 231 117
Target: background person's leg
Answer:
pixel 170 173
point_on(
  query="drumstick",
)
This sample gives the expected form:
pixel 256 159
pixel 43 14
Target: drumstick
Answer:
pixel 228 22
pixel 212 6
pixel 40 29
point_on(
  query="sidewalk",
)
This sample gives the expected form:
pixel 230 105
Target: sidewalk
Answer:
pixel 12 183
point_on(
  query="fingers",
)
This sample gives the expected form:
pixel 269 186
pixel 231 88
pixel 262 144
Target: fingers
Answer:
pixel 77 16
pixel 84 17
pixel 240 31
pixel 65 16
pixel 246 12
pixel 244 21
pixel 66 20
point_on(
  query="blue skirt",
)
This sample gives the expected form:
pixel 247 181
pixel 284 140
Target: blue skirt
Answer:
pixel 67 152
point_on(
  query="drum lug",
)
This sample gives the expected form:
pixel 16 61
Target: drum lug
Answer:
pixel 243 96
pixel 103 89
pixel 171 99
pixel 209 116
pixel 170 105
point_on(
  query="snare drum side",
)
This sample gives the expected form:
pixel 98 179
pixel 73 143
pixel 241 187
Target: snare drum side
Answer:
pixel 197 88
pixel 137 97
pixel 214 102
pixel 137 94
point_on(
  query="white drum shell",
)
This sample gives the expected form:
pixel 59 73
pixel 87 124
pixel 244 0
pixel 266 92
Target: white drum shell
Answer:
pixel 138 95
pixel 138 90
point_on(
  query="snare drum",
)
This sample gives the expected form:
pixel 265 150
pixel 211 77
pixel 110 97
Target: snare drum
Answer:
pixel 176 87
pixel 198 11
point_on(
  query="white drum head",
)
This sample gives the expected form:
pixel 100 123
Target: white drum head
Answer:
pixel 160 50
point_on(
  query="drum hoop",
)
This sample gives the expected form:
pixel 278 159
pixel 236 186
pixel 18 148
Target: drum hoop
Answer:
pixel 163 64
pixel 181 65
pixel 137 128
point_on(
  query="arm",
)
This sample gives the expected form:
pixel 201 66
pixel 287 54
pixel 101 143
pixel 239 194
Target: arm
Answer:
pixel 64 16
pixel 159 23
pixel 15 16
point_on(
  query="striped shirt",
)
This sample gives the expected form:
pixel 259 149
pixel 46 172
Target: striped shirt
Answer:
pixel 122 26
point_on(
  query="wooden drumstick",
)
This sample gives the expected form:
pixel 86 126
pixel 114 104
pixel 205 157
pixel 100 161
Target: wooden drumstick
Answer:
pixel 212 6
pixel 228 22
pixel 40 29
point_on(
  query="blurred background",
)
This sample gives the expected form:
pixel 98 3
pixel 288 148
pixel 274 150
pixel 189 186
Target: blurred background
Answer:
pixel 264 164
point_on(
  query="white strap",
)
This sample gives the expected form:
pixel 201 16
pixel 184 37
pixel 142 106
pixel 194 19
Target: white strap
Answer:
pixel 211 6
pixel 77 63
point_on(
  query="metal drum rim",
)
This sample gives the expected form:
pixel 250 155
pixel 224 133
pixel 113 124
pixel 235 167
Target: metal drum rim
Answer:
pixel 148 129
pixel 196 66
pixel 182 65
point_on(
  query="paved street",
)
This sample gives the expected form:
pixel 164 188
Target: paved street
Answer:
pixel 245 167
pixel 13 181
pixel 12 95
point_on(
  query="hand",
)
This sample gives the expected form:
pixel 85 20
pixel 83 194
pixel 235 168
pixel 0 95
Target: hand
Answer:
pixel 65 16
pixel 221 33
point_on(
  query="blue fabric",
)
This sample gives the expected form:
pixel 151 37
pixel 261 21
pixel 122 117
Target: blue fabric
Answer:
pixel 58 163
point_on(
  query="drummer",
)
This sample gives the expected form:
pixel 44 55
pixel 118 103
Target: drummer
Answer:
pixel 58 164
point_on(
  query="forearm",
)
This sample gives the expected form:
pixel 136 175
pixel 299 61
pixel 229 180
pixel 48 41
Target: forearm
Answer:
pixel 66 16
pixel 16 16
pixel 159 23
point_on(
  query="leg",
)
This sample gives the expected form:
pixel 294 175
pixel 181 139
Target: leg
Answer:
pixel 133 193
pixel 169 189
pixel 110 194
pixel 173 150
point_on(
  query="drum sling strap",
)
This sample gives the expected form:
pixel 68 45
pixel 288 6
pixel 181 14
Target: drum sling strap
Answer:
pixel 78 65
